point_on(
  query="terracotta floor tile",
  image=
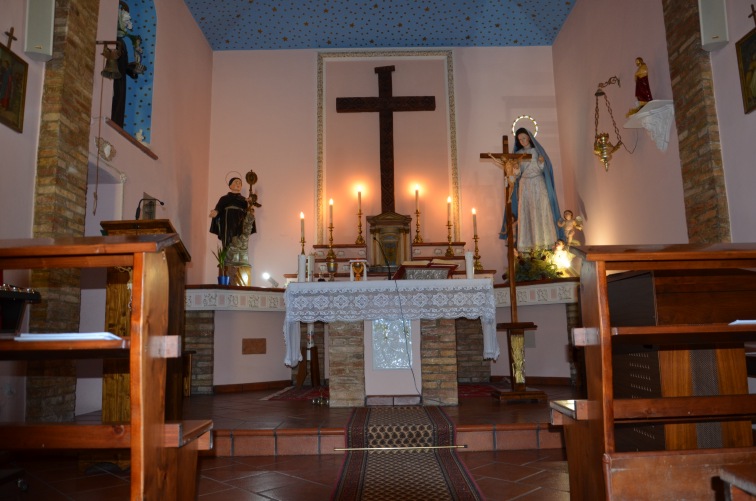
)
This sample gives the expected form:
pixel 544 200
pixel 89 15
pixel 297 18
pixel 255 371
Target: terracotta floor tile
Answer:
pixel 524 475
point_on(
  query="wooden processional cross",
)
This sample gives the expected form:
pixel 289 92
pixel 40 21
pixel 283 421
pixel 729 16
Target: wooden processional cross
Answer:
pixel 515 329
pixel 385 105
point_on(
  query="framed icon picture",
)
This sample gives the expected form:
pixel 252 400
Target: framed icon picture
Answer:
pixel 746 51
pixel 13 71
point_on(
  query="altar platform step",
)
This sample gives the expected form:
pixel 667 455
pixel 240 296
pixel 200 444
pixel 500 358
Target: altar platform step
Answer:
pixel 245 425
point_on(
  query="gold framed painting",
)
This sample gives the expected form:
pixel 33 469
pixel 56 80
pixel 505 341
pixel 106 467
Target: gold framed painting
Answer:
pixel 746 53
pixel 13 71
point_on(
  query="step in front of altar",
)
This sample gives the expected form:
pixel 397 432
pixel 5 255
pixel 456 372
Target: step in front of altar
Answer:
pixel 315 441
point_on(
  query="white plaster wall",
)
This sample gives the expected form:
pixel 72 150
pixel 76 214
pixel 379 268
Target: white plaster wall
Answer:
pixel 230 366
pixel 17 175
pixel 640 199
pixel 264 118
pixel 736 129
pixel 546 348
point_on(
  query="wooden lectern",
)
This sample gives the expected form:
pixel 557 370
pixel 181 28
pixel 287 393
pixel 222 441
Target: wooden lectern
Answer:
pixel 115 380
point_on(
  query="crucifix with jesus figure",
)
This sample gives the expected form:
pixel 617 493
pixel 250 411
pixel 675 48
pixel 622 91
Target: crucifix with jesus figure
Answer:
pixel 510 164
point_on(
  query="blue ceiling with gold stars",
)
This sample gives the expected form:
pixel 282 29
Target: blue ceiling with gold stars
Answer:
pixel 378 24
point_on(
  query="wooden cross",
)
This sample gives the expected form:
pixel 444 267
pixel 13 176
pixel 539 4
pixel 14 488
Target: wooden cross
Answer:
pixel 753 14
pixel 10 37
pixel 507 161
pixel 385 105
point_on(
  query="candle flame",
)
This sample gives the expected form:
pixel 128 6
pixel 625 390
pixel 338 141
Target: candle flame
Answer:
pixel 301 215
pixel 474 211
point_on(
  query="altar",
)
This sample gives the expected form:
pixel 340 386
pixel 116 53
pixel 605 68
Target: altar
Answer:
pixel 349 306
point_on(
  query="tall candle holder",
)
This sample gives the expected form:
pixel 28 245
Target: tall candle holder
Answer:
pixel 418 239
pixel 302 241
pixel 476 256
pixel 449 250
pixel 331 255
pixel 360 240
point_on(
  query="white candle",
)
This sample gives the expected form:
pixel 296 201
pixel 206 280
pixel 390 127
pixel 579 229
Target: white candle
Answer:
pixel 359 201
pixel 448 209
pixel 330 212
pixel 417 199
pixel 301 264
pixel 469 266
pixel 475 223
pixel 310 267
pixel 301 225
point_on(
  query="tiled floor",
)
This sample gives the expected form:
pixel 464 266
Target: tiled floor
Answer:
pixel 501 475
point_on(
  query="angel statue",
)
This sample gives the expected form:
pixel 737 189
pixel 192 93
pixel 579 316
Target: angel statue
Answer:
pixel 570 223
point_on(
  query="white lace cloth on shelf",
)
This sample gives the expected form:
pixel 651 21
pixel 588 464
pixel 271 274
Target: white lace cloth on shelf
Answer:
pixel 391 300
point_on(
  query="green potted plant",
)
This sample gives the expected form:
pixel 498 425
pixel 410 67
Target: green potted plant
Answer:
pixel 220 256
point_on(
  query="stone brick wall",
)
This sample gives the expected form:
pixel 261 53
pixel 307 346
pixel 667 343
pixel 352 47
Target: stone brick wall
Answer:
pixel 346 353
pixel 60 198
pixel 439 366
pixel 697 126
pixel 199 334
pixel 471 368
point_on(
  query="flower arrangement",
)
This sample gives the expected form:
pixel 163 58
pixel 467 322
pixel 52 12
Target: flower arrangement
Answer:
pixel 538 264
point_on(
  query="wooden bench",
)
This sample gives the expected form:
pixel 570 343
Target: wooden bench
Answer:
pixel 698 290
pixel 163 455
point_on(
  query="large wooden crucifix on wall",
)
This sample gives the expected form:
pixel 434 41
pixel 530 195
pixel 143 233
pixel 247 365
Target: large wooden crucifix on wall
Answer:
pixel 509 163
pixel 385 105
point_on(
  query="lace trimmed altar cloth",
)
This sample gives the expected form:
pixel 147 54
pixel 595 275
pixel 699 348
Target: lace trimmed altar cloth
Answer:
pixel 389 300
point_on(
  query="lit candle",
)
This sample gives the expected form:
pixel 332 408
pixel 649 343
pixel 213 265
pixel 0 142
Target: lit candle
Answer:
pixel 359 201
pixel 448 209
pixel 330 212
pixel 417 199
pixel 475 223
pixel 301 225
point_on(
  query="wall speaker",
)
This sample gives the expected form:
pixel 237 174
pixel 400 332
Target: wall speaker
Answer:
pixel 713 18
pixel 38 36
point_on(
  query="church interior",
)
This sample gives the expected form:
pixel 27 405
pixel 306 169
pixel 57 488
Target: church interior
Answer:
pixel 258 223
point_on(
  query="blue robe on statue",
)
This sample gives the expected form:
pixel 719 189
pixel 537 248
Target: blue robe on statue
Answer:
pixel 534 202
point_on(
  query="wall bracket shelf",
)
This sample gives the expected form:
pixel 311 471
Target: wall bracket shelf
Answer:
pixel 656 117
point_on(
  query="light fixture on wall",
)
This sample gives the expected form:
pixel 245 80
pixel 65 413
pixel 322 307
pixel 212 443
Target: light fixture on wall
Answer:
pixel 602 146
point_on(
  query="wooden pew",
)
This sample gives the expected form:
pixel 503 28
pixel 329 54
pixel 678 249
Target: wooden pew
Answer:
pixel 686 319
pixel 163 455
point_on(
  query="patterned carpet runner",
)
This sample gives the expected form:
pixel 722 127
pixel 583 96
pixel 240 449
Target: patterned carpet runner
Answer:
pixel 398 474
pixel 464 390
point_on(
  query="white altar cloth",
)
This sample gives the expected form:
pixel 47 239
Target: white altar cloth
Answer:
pixel 391 300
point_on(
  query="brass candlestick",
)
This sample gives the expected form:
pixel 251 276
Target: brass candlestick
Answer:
pixel 476 265
pixel 449 250
pixel 360 240
pixel 418 239
pixel 302 241
pixel 331 255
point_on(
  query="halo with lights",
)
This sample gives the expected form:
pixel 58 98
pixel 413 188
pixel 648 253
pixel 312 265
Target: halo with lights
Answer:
pixel 528 117
pixel 232 174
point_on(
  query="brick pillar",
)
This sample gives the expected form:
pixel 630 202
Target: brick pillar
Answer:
pixel 199 335
pixel 60 198
pixel 697 126
pixel 438 353
pixel 471 367
pixel 346 352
